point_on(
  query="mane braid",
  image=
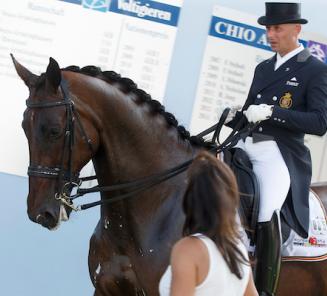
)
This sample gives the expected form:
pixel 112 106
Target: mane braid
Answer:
pixel 127 85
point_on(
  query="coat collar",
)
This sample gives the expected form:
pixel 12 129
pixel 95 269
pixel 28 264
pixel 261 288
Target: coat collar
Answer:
pixel 270 76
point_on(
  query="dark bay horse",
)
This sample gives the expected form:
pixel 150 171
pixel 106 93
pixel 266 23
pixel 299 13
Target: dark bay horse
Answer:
pixel 128 136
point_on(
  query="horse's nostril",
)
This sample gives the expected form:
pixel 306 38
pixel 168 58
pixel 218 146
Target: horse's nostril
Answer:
pixel 40 219
pixel 46 220
pixel 47 216
pixel 50 220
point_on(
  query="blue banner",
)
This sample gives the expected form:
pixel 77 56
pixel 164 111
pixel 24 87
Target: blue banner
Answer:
pixel 148 10
pixel 240 33
pixel 144 9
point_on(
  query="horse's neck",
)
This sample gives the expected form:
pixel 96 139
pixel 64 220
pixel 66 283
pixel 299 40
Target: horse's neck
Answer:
pixel 134 142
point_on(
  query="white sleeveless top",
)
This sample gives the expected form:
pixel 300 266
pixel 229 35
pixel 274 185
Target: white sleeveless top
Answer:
pixel 219 280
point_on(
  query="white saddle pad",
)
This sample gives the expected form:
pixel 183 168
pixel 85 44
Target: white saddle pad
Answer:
pixel 313 248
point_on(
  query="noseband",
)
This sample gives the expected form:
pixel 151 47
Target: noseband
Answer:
pixel 65 177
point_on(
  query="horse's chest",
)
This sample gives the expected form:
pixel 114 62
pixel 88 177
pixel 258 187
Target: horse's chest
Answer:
pixel 114 270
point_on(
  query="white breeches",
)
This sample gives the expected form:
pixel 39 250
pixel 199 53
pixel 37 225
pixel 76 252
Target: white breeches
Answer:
pixel 272 175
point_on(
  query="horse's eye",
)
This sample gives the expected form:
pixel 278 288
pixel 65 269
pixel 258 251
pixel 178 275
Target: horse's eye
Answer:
pixel 54 132
pixel 51 133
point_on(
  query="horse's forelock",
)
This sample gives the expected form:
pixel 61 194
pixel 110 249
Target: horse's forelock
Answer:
pixel 39 82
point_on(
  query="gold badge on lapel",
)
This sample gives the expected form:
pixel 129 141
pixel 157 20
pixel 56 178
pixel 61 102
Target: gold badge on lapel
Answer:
pixel 286 101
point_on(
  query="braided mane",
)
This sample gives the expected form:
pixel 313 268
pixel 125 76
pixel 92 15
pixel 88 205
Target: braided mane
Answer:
pixel 127 86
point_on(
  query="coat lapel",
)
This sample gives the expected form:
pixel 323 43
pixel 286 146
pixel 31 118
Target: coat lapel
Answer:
pixel 292 65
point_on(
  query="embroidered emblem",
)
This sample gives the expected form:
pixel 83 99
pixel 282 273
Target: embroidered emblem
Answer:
pixel 286 101
pixel 292 82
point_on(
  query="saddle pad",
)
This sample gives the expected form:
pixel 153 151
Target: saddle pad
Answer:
pixel 313 248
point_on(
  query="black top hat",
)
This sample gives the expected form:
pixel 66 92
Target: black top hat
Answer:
pixel 282 13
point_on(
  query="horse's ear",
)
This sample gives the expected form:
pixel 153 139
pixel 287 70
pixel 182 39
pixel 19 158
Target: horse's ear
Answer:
pixel 23 73
pixel 53 76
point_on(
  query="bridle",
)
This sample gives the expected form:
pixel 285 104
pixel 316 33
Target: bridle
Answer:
pixel 69 179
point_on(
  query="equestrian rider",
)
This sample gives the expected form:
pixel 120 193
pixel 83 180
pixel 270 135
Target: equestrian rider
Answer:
pixel 288 97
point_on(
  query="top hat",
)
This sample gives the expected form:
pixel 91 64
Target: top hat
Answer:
pixel 282 13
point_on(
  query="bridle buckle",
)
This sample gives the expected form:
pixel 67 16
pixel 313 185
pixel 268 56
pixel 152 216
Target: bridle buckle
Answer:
pixel 65 200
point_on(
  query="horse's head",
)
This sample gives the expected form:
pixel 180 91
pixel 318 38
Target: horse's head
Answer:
pixel 60 140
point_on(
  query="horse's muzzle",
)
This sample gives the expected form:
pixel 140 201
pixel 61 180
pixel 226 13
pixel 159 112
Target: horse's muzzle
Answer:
pixel 47 220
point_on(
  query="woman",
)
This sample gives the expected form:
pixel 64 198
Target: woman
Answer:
pixel 210 259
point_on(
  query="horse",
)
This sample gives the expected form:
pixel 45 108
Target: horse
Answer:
pixel 128 136
pixel 305 278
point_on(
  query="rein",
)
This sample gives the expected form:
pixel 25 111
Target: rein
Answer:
pixel 71 180
pixel 142 184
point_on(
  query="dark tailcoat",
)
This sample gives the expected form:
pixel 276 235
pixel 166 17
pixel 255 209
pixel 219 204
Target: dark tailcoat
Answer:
pixel 298 91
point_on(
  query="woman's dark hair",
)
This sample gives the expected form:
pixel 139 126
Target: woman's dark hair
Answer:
pixel 210 205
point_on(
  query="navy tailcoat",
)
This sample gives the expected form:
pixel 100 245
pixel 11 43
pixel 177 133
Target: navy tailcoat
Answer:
pixel 298 91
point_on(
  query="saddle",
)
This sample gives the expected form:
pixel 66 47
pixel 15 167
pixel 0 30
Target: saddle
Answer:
pixel 295 248
pixel 239 162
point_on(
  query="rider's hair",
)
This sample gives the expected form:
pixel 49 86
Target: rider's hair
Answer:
pixel 210 205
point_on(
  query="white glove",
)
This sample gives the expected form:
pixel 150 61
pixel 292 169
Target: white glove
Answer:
pixel 232 113
pixel 257 113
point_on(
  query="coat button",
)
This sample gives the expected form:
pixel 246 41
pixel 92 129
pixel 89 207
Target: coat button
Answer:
pixel 260 129
pixel 274 98
pixel 258 96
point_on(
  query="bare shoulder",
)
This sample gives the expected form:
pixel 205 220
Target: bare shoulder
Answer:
pixel 187 243
pixel 187 247
pixel 184 267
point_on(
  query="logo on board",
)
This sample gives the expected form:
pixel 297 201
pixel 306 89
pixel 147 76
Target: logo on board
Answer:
pixel 143 9
pixel 99 5
pixel 239 32
pixel 318 50
pixel 147 9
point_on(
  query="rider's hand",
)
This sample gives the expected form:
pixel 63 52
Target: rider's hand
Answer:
pixel 257 113
pixel 232 113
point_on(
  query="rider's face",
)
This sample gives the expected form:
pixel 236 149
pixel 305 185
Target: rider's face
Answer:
pixel 283 38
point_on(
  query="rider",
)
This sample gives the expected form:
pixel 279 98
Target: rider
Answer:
pixel 288 98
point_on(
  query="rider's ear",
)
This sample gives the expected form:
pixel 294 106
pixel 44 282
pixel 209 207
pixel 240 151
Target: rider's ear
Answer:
pixel 27 76
pixel 53 76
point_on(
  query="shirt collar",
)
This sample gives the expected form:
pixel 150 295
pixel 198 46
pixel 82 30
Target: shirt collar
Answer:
pixel 281 60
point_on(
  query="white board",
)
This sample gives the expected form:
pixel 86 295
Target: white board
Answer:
pixel 134 38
